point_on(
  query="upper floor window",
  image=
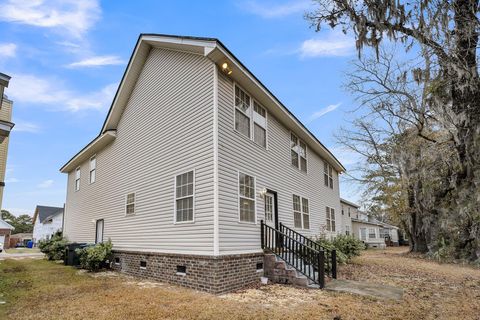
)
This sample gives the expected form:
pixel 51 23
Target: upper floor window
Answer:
pixel 184 190
pixel 250 114
pixel 328 175
pixel 343 211
pixel 301 212
pixel 77 179
pixel 349 211
pixel 246 192
pixel 298 152
pixel 330 219
pixel 130 203
pixel 93 168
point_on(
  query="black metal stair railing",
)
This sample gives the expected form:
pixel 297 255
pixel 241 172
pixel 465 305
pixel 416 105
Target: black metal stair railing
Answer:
pixel 330 255
pixel 306 259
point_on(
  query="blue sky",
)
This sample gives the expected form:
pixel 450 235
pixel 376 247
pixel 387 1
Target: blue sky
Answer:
pixel 66 59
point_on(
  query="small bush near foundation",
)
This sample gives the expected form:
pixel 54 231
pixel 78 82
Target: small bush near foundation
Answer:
pixel 95 257
pixel 54 248
pixel 347 247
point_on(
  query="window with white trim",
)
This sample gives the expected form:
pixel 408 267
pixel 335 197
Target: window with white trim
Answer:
pixel 301 212
pixel 250 114
pixel 77 179
pixel 298 153
pixel 330 213
pixel 93 168
pixel 246 195
pixel 347 230
pixel 363 234
pixel 328 175
pixel 184 190
pixel 130 203
pixel 259 125
pixel 384 233
pixel 372 233
pixel 343 210
pixel 349 211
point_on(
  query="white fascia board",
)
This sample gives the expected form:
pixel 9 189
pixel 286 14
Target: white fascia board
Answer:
pixel 93 147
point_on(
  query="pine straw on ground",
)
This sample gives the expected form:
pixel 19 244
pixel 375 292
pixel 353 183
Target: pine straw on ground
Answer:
pixel 38 289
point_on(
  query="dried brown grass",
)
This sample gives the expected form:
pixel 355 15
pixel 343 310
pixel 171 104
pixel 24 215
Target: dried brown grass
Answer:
pixel 432 291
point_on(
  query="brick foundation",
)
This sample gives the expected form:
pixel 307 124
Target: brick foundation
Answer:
pixel 207 273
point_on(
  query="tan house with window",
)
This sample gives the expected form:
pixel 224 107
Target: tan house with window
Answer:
pixel 6 126
pixel 194 153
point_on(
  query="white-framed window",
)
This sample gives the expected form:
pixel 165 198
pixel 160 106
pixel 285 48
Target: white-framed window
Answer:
pixel 372 233
pixel 259 124
pixel 330 213
pixel 328 175
pixel 298 153
pixel 343 210
pixel 363 234
pixel 130 203
pixel 301 212
pixel 77 179
pixel 250 117
pixel 184 196
pixel 347 230
pixel 246 196
pixel 384 233
pixel 349 211
pixel 93 168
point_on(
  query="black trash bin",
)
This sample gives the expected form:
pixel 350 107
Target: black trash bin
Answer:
pixel 71 257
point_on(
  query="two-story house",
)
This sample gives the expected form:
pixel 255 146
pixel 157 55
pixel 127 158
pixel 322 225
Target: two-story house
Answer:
pixel 195 151
pixel 46 221
pixel 6 126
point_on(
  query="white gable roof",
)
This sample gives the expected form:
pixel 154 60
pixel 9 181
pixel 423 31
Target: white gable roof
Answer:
pixel 5 225
pixel 214 50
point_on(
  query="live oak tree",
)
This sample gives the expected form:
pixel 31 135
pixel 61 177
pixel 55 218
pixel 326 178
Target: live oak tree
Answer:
pixel 445 36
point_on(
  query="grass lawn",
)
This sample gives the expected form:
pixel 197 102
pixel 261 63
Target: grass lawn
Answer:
pixel 39 289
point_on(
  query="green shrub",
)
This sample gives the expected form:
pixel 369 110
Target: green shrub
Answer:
pixel 348 245
pixel 95 257
pixel 54 248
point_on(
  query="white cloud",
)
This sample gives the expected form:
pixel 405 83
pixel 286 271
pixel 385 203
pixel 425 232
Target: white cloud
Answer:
pixel 19 211
pixel 8 50
pixel 45 184
pixel 50 92
pixel 346 156
pixel 11 180
pixel 275 10
pixel 97 61
pixel 25 126
pixel 71 16
pixel 323 112
pixel 333 45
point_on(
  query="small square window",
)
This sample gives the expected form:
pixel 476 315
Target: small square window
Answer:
pixel 117 260
pixel 143 264
pixel 182 269
pixel 259 265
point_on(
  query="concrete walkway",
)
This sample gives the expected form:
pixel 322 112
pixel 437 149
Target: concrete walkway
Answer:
pixel 366 289
pixel 19 256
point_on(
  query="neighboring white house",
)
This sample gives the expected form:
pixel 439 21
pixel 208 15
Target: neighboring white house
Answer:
pixel 349 211
pixel 195 151
pixel 46 221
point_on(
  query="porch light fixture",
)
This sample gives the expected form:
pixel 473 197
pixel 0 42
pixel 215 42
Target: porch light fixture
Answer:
pixel 263 193
pixel 226 69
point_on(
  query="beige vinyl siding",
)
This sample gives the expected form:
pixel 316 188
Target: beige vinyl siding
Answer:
pixel 272 169
pixel 5 115
pixel 165 130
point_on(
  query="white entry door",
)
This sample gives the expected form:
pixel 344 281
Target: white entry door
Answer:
pixel 270 210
